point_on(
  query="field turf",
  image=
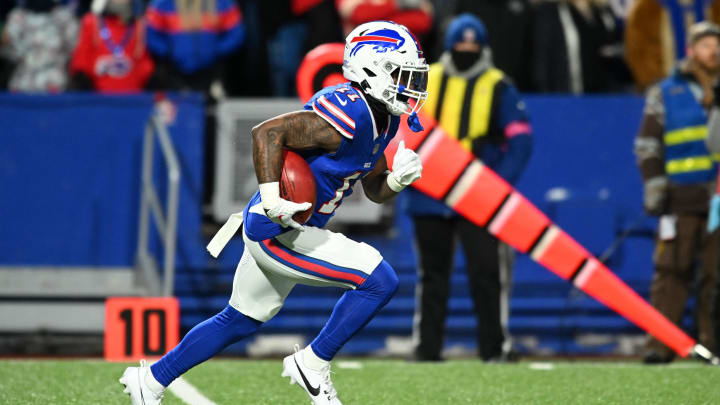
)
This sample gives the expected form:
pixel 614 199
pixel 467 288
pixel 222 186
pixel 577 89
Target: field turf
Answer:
pixel 371 381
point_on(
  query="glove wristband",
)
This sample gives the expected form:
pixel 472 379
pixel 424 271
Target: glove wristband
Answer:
pixel 270 194
pixel 393 183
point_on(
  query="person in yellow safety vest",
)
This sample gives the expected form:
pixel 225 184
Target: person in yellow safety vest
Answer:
pixel 713 144
pixel 679 174
pixel 479 106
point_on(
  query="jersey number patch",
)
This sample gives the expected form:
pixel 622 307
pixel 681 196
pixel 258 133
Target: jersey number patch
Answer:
pixel 330 206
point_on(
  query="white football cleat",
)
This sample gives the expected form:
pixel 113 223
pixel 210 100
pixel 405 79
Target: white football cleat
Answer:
pixel 317 384
pixel 134 381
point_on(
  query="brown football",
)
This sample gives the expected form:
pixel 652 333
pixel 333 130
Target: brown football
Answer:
pixel 297 184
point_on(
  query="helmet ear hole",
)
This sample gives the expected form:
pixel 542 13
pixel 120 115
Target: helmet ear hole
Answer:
pixel 365 86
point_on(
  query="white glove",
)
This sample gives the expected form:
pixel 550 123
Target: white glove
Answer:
pixel 406 168
pixel 279 210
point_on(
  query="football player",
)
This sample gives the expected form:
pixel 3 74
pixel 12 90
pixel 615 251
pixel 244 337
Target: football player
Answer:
pixel 342 134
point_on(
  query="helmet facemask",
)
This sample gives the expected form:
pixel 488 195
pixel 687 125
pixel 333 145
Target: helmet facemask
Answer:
pixel 407 91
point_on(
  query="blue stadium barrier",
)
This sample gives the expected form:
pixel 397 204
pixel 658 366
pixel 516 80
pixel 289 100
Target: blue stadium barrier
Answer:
pixel 70 178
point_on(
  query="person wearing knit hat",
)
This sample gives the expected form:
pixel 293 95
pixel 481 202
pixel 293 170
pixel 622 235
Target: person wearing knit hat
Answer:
pixel 702 29
pixel 479 106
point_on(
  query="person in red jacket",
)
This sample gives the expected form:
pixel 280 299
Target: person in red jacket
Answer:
pixel 111 55
pixel 416 15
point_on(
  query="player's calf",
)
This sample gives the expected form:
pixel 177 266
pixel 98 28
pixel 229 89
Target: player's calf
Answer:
pixel 355 309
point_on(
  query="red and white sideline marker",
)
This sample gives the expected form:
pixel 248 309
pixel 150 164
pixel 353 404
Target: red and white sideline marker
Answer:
pixel 453 175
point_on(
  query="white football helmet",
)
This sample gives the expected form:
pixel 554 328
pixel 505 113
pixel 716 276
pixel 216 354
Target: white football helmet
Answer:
pixel 386 60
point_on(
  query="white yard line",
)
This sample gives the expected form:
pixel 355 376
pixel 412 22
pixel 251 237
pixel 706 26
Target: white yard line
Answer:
pixel 352 365
pixel 541 366
pixel 625 364
pixel 188 393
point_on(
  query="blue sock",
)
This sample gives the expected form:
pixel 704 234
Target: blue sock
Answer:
pixel 203 341
pixel 354 310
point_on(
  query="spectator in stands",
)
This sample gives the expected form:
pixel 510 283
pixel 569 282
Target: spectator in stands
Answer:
pixel 190 39
pixel 294 31
pixel 498 135
pixel 510 29
pixel 655 35
pixel 111 55
pixel 323 17
pixel 678 174
pixel 577 48
pixel 285 31
pixel 38 37
pixel 416 15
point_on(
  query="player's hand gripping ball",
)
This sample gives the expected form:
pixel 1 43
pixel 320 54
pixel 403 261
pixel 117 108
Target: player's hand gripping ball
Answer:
pixel 297 184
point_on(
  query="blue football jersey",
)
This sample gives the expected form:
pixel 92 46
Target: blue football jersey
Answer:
pixel 346 109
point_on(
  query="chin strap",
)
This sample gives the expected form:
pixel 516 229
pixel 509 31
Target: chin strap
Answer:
pixel 414 122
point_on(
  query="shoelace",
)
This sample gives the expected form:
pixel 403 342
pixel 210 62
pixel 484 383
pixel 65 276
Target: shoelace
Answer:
pixel 331 393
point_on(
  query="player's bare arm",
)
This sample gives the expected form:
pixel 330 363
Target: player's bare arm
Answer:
pixel 375 183
pixel 300 130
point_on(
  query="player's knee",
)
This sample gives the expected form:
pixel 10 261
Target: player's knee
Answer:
pixel 383 280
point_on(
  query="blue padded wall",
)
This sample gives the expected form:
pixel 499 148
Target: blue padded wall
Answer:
pixel 70 178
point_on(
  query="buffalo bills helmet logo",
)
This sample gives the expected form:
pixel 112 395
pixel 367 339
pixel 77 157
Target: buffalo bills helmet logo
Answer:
pixel 380 40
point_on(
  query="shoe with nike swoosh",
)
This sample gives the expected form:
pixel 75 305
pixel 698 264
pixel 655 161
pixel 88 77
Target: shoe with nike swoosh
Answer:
pixel 316 383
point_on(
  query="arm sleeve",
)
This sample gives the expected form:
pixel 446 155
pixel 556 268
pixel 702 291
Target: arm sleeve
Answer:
pixel 342 117
pixel 713 139
pixel 649 148
pixel 145 68
pixel 232 31
pixel 417 21
pixel 157 35
pixel 364 11
pixel 517 130
pixel 83 56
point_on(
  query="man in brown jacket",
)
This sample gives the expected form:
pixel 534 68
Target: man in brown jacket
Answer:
pixel 679 174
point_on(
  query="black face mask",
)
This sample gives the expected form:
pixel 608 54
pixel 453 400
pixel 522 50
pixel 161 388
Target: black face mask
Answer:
pixel 464 60
pixel 39 6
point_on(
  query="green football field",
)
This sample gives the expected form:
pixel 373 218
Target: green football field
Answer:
pixel 370 381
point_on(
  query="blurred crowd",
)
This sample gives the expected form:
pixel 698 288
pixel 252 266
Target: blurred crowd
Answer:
pixel 254 47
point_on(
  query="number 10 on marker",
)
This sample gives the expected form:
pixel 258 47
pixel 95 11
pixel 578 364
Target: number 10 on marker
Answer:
pixel 140 327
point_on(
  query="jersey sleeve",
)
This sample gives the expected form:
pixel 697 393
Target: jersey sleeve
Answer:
pixel 340 109
pixel 513 117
